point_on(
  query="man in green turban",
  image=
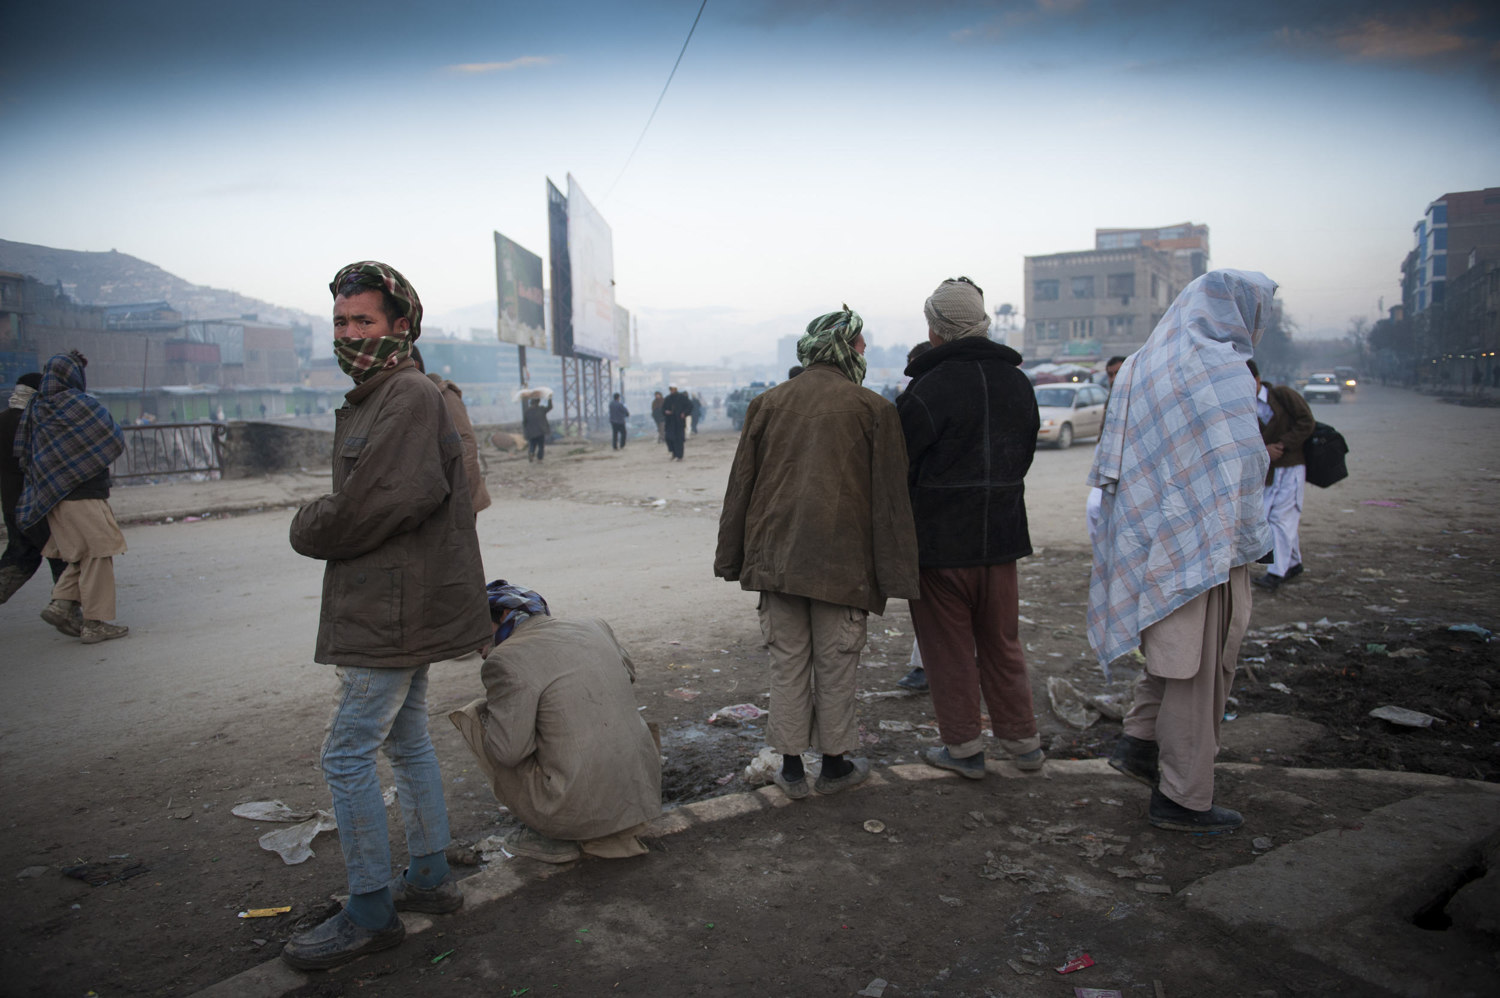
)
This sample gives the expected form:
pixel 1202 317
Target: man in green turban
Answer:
pixel 817 520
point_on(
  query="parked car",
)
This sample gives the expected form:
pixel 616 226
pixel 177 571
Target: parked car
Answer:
pixel 1348 379
pixel 1069 411
pixel 1323 388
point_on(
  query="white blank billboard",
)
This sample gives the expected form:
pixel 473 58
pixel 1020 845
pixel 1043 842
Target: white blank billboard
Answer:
pixel 592 254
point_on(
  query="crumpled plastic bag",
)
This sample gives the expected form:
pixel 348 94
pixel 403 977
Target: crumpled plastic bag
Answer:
pixel 294 843
pixel 737 713
pixel 1069 704
pixel 763 767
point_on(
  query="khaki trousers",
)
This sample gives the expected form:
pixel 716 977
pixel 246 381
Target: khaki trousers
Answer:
pixel 86 536
pixel 815 649
pixel 1179 699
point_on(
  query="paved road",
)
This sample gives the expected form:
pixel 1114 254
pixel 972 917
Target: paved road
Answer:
pixel 223 613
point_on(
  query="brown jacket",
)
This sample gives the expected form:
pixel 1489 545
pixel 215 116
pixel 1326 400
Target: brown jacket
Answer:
pixel 454 397
pixel 816 504
pixel 1291 424
pixel 404 585
pixel 558 732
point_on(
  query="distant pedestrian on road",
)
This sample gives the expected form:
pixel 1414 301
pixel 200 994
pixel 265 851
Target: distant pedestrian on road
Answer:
pixel 65 443
pixel 970 420
pixel 403 587
pixel 675 410
pixel 536 429
pixel 817 520
pixel 1182 468
pixel 617 416
pixel 1286 421
pixel 697 414
pixel 656 417
pixel 23 553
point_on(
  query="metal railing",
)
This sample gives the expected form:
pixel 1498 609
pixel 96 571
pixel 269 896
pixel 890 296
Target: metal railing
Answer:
pixel 156 450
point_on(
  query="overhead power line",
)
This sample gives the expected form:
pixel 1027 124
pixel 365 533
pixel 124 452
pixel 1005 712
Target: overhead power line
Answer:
pixel 658 101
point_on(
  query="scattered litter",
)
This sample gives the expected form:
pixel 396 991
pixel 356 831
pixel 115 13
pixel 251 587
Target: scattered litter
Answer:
pixel 294 843
pixel 31 872
pixel 269 810
pixel 265 912
pixel 1114 705
pixel 1077 963
pixel 491 848
pixel 1097 993
pixel 1111 802
pixel 884 694
pixel 1376 608
pixel 683 693
pixel 1262 843
pixel 738 712
pixel 1281 687
pixel 1404 717
pixel 951 902
pixel 1069 704
pixel 875 988
pixel 724 780
pixel 874 826
pixel 763 767
pixel 1146 888
pixel 442 956
pixel 1474 629
pixel 1375 648
pixel 1407 653
pixel 889 725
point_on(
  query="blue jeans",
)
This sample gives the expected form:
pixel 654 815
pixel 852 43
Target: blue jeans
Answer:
pixel 382 709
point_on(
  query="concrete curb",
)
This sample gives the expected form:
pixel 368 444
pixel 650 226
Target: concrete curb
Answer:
pixel 274 978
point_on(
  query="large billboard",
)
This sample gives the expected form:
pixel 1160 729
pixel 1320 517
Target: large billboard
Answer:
pixel 562 272
pixel 518 276
pixel 592 255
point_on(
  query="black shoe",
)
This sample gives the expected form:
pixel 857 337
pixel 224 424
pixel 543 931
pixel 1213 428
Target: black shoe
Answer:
pixel 1292 572
pixel 916 680
pixel 970 766
pixel 1136 758
pixel 339 940
pixel 439 900
pixel 1267 582
pixel 1167 813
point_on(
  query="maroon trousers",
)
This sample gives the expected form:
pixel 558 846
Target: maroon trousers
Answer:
pixel 970 639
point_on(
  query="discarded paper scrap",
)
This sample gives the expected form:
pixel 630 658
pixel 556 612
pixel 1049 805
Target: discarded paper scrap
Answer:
pixel 266 912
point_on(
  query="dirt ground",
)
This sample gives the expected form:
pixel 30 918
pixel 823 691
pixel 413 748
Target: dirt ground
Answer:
pixel 132 790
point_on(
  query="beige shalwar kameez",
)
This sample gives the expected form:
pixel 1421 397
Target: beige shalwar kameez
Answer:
pixel 86 536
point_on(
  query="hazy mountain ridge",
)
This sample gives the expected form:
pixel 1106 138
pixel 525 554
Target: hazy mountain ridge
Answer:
pixel 116 278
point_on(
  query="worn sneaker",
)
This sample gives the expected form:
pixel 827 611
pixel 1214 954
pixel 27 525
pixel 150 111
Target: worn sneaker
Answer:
pixel 855 776
pixel 970 766
pixel 339 940
pixel 1167 813
pixel 795 789
pixel 534 845
pixel 1030 762
pixel 916 680
pixel 95 631
pixel 65 615
pixel 439 900
pixel 1137 759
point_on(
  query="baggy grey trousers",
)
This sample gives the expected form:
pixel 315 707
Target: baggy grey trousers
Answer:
pixel 815 649
pixel 1179 700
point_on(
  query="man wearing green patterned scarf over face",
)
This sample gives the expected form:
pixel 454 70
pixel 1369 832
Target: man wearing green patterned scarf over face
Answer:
pixel 817 520
pixel 403 588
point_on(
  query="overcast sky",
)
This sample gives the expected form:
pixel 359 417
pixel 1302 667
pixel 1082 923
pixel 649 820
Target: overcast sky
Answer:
pixel 807 154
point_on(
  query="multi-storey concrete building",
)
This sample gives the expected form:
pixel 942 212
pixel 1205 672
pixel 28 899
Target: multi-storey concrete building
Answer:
pixel 1454 225
pixel 1091 304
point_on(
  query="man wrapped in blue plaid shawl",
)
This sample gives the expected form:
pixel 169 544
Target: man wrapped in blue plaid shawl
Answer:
pixel 65 438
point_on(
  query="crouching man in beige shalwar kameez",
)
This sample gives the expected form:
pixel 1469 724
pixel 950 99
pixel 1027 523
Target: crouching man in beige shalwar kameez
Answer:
pixel 559 734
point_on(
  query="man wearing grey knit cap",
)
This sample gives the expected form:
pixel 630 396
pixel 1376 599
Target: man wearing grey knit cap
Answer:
pixel 970 421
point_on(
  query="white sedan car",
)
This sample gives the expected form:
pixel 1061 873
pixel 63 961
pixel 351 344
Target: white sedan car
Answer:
pixel 1069 411
pixel 1323 388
